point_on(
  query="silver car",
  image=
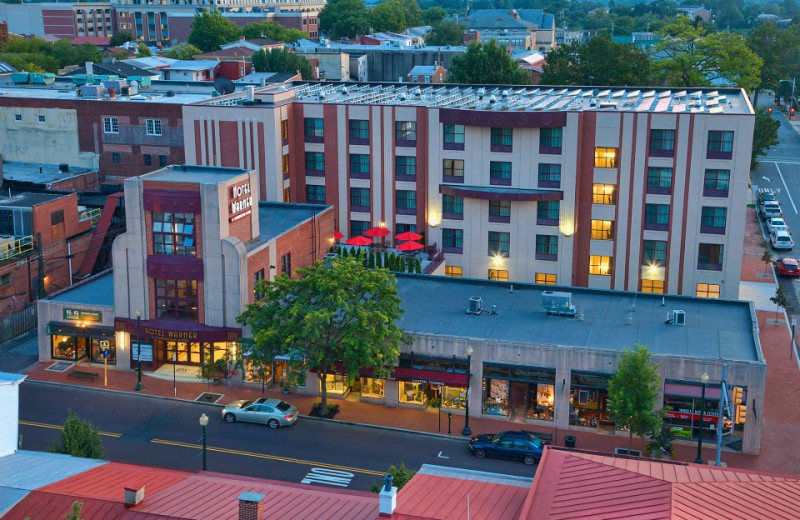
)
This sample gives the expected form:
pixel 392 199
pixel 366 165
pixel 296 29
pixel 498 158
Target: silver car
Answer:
pixel 272 412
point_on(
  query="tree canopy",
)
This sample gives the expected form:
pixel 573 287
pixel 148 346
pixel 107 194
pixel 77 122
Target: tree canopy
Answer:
pixel 273 31
pixel 37 55
pixel 445 33
pixel 632 393
pixel 486 63
pixel 765 135
pixel 598 61
pixel 120 37
pixel 282 60
pixel 210 30
pixel 779 49
pixel 143 51
pixel 182 51
pixel 79 438
pixel 344 18
pixel 334 312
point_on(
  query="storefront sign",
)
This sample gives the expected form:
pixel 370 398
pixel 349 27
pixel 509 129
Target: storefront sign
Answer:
pixel 81 315
pixel 592 380
pixel 687 415
pixel 147 351
pixel 200 332
pixel 240 202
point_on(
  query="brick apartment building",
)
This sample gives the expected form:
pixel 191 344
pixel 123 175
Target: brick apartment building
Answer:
pixel 60 20
pixel 624 188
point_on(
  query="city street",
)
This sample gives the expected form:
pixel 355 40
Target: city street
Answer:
pixel 161 432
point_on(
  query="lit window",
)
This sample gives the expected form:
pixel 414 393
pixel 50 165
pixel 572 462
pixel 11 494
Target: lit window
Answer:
pixel 110 125
pixel 453 270
pixel 285 164
pixel 603 193
pixel 605 157
pixel 600 265
pixel 708 290
pixel 498 274
pixel 453 168
pixel 653 286
pixel 603 229
pixel 284 129
pixel 153 127
pixel 545 278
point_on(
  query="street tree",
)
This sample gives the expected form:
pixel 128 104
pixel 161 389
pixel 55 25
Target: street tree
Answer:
pixel 445 33
pixel 273 31
pixel 344 18
pixel 597 61
pixel 210 29
pixel 120 37
pixel 79 439
pixel 692 58
pixel 182 51
pixel 779 49
pixel 338 312
pixel 486 63
pixel 281 60
pixel 780 300
pixel 765 135
pixel 632 393
pixel 766 257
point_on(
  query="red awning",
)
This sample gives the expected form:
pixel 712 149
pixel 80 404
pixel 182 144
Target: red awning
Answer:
pixel 433 377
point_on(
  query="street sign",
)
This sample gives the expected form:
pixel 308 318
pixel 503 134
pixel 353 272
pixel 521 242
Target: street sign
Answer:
pixel 106 353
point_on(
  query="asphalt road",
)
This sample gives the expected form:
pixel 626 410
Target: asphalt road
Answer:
pixel 161 432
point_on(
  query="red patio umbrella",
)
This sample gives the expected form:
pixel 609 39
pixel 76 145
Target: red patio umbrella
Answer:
pixel 410 246
pixel 408 235
pixel 337 235
pixel 377 232
pixel 358 241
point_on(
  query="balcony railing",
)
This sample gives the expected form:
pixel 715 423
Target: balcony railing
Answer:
pixel 90 214
pixel 12 249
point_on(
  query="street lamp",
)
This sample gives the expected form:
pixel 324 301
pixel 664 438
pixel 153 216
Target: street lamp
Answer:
pixel 466 430
pixel 699 458
pixel 138 314
pixel 203 423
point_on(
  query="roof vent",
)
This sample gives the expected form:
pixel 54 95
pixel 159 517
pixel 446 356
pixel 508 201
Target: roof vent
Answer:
pixel 492 99
pixel 475 306
pixel 134 494
pixel 344 90
pixel 505 93
pixel 403 96
pixel 593 102
pixel 677 317
pixel 481 92
pixel 558 303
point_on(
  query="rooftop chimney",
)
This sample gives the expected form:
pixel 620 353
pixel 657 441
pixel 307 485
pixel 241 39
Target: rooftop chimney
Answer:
pixel 388 497
pixel 134 495
pixel 89 68
pixel 250 506
pixel 9 410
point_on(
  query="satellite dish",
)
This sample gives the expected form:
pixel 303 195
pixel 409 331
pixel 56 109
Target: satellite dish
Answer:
pixel 224 86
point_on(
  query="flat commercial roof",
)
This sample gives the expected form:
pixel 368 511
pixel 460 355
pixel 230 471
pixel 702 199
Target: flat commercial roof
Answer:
pixel 97 290
pixel 715 329
pixel 39 173
pixel 276 218
pixel 194 173
pixel 28 200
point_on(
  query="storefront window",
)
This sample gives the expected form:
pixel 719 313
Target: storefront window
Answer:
pixel 519 391
pixel 372 387
pixel 412 393
pixel 588 400
pixel 685 406
pixel 261 373
pixel 495 397
pixel 336 384
pixel 100 345
pixel 69 347
pixel 454 397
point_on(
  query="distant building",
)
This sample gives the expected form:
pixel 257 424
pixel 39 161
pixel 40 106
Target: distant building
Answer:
pixel 531 29
pixel 192 70
pixel 567 37
pixel 328 64
pixel 389 39
pixel 695 12
pixel 427 74
pixel 62 20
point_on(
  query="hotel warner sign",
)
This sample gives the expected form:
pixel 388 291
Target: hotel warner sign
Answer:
pixel 240 202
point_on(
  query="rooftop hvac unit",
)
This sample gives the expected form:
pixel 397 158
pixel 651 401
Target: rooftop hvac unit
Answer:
pixel 678 317
pixel 475 306
pixel 558 303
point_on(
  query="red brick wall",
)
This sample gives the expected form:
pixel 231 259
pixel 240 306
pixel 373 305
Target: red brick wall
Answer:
pixel 298 242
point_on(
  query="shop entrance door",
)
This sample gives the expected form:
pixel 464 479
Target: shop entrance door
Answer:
pixel 519 395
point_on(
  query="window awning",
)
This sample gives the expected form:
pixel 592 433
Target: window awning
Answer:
pixel 500 193
pixel 66 329
pixel 433 377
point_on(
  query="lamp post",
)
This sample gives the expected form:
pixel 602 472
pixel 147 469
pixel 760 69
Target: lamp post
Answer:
pixel 466 430
pixel 699 458
pixel 138 314
pixel 203 423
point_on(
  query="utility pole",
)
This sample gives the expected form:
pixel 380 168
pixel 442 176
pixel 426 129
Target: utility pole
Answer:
pixel 41 292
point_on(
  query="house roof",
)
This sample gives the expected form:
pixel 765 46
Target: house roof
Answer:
pixel 194 65
pixel 117 68
pixel 422 70
pixel 577 485
pixel 108 482
pixel 151 62
pixel 263 42
pixel 6 68
pixel 100 41
pixel 230 52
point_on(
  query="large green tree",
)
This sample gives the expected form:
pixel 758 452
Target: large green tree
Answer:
pixel 79 438
pixel 344 18
pixel 690 57
pixel 335 312
pixel 433 15
pixel 445 33
pixel 273 31
pixel 632 393
pixel 120 37
pixel 395 15
pixel 779 49
pixel 182 51
pixel 598 61
pixel 486 63
pixel 765 135
pixel 210 29
pixel 282 60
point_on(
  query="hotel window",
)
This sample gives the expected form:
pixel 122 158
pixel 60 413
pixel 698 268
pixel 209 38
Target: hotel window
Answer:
pixel 549 175
pixel 603 193
pixel 284 129
pixel 315 164
pixel 720 141
pixel 42 119
pixel 452 240
pixel 547 212
pixel 313 129
pixel 359 166
pixel 605 157
pixel 656 217
pixel 546 247
pixel 359 227
pixel 499 211
pixel 153 127
pixel 550 140
pixel 286 264
pixel 707 290
pixel 405 168
pixel 654 252
pixel 452 207
pixel 603 229
pixel 659 180
pixel 110 125
pixel 147 159
pixel 600 265
pixel 716 183
pixel 454 271
pixel 545 279
pixel 406 202
pixel 453 170
pixel 257 277
pixel 402 228
pixel 173 234
pixel 359 131
pixel 712 220
pixel 285 166
pixel 662 143
pixel 405 133
pixel 709 257
pixel 315 194
pixel 499 243
pixel 176 299
pixel 500 173
pixel 653 286
pixel 454 137
pixel 502 139
pixel 500 275
pixel 359 199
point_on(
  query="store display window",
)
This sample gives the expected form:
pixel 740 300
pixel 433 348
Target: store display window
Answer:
pixel 261 373
pixel 373 387
pixel 336 384
pixel 689 415
pixel 541 402
pixel 412 393
pixel 495 397
pixel 72 348
pixel 454 397
pixel 588 400
pixel 100 345
pixel 519 391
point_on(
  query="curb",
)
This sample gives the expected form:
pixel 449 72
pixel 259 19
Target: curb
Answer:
pixel 305 417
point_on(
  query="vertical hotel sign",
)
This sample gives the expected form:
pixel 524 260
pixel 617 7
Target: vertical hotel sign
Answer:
pixel 240 202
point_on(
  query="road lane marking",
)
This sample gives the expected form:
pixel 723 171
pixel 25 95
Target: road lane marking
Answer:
pixel 328 477
pixel 442 456
pixel 787 188
pixel 268 457
pixel 61 427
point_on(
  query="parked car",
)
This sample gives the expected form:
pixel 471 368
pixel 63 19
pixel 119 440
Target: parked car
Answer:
pixel 781 240
pixel 776 224
pixel 766 196
pixel 513 445
pixel 771 210
pixel 788 267
pixel 272 412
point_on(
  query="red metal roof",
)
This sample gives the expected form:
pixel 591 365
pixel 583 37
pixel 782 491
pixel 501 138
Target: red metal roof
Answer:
pixel 100 41
pixel 41 505
pixel 108 482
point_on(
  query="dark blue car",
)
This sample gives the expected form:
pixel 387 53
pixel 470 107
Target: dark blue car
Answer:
pixel 522 446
